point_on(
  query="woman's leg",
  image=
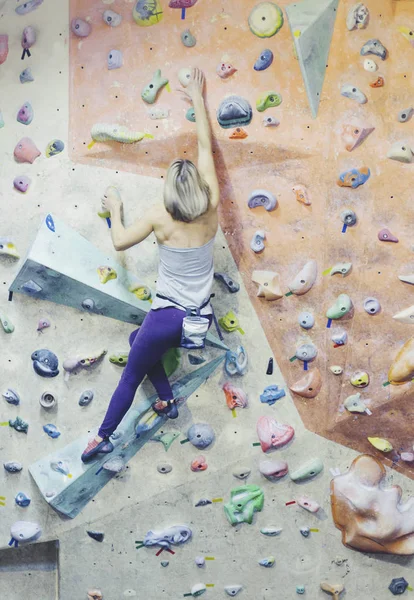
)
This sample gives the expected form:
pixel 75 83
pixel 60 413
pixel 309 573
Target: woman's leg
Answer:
pixel 156 375
pixel 160 331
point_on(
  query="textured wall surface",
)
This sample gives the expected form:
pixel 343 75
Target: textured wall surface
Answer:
pixel 141 498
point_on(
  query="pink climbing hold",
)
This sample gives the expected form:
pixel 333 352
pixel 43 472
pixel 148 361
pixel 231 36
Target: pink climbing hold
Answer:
pixel 273 434
pixel 26 151
pixel 385 235
pixel 225 70
pixel 4 48
pixel 182 3
pixel 199 464
pixel 80 27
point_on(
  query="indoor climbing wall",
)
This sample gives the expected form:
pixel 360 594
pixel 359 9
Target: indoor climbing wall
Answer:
pixel 239 496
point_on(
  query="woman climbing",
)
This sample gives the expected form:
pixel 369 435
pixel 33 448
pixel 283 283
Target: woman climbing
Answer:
pixel 185 226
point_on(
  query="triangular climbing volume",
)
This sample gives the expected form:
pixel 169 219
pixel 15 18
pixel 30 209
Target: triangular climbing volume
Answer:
pixel 64 267
pixel 312 24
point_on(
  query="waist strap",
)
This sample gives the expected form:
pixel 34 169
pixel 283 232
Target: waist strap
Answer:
pixel 188 310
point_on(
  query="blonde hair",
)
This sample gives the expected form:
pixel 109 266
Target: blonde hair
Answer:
pixel 186 194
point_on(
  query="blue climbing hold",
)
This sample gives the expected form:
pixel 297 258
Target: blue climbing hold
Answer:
pixel 264 61
pixel 50 223
pixel 271 394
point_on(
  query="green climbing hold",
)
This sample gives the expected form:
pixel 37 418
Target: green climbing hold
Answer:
pixel 19 425
pixel 171 360
pixel 120 359
pixel 166 439
pixel 150 92
pixel 267 100
pixel 230 323
pixel 244 502
pixel 6 324
pixel 190 115
pixel 341 307
pixel 266 19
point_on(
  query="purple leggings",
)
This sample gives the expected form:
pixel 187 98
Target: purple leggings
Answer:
pixel 160 331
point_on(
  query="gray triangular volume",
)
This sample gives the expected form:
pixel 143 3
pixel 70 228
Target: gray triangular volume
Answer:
pixel 62 267
pixel 69 496
pixel 312 24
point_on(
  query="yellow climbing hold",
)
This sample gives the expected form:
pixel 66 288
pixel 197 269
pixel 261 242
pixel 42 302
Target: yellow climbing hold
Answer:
pixel 106 274
pixel 380 444
pixel 407 33
pixel 146 14
pixel 104 132
pixel 230 323
pixel 142 292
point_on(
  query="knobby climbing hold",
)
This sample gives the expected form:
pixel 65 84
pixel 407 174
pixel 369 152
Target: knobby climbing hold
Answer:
pixel 235 396
pixel 269 285
pixel 407 33
pixel 301 194
pixel 95 594
pixel 27 7
pixel 115 60
pixel 201 435
pixel 104 132
pixel 380 444
pixel 268 100
pixel 142 292
pixel 270 121
pixel 234 111
pixel 370 65
pixel 236 362
pixel 158 112
pixel 13 467
pixel 351 91
pixel 372 306
pixel 200 561
pixel 112 18
pixel 306 320
pixel 308 504
pixel 19 425
pixel 305 279
pixel 308 470
pixel 45 363
pixel 230 323
pixel 342 268
pixel 6 324
pixel 309 385
pixel 47 400
pixel 407 456
pixel 238 134
pixel 398 586
pixel 203 502
pixel 358 16
pixel 300 589
pixel 51 430
pixel 233 590
pixel 184 76
pixel 348 218
pixel 28 40
pixel 230 284
pixel 25 531
pixel 86 398
pixel 273 469
pixel 266 19
pixel 188 38
pixel 25 114
pixel 375 47
pixel 244 502
pixel 340 308
pixel 402 368
pixel 80 27
pixel 273 434
pixel 264 61
pixel 306 352
pixel 26 151
pixel 257 243
pixel 225 70
pixel 164 468
pixel 190 115
pixel 336 370
pixel 353 135
pixel 354 404
pixel 271 531
pixel 405 114
pixel 385 235
pixel 166 438
pixel 305 531
pixel 339 337
pixel 54 147
pixel 22 183
pixel 147 13
pixel 271 394
pixel 170 536
pixel 262 198
pixel 199 464
pixel 11 396
pixel 75 362
pixel 151 90
pixel 401 152
pixel 26 75
pixel 360 379
pixel 379 82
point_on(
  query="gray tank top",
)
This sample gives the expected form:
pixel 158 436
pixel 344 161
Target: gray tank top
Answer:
pixel 185 275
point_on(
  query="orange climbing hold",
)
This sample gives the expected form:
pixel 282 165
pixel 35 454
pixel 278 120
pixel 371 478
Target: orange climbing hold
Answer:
pixel 238 134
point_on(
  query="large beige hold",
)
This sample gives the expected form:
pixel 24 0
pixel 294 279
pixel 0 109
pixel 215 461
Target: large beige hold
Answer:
pixel 269 284
pixel 305 279
pixel 371 516
pixel 308 386
pixel 402 369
